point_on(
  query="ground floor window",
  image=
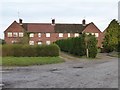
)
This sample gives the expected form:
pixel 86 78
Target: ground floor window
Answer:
pixel 14 41
pixel 76 34
pixel 48 42
pixel 40 43
pixel 31 42
pixel 68 34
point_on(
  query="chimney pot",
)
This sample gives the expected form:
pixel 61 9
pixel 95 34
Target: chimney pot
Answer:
pixel 83 22
pixel 20 21
pixel 53 21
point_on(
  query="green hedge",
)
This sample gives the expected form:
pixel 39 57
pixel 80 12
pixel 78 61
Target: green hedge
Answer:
pixel 77 45
pixel 30 51
pixel 74 46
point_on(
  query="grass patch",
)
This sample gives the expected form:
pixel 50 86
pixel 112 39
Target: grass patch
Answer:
pixel 27 61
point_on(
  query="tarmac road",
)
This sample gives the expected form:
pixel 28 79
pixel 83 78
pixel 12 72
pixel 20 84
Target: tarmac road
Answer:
pixel 101 73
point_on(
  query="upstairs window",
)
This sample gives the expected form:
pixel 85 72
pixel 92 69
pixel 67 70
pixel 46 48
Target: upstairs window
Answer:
pixel 15 34
pixel 39 34
pixel 93 33
pixel 60 34
pixel 31 42
pixel 96 35
pixel 68 34
pixel 20 34
pixel 47 34
pixel 9 34
pixel 76 34
pixel 31 34
pixel 87 33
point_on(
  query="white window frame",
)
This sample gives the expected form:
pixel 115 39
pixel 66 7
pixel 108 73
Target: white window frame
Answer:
pixel 9 34
pixel 31 42
pixel 15 34
pixel 48 42
pixel 39 34
pixel 76 34
pixel 96 34
pixel 92 33
pixel 21 34
pixel 68 34
pixel 87 33
pixel 14 41
pixel 60 34
pixel 39 43
pixel 31 35
pixel 47 34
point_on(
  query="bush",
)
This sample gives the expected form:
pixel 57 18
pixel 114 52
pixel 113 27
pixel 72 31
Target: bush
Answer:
pixel 30 51
pixel 74 46
pixel 92 48
pixel 77 46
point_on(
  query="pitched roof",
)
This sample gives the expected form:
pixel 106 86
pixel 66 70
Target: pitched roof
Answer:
pixel 38 27
pixel 14 26
pixel 69 28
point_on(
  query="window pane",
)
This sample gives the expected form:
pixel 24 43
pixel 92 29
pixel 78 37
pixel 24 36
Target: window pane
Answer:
pixel 96 34
pixel 92 33
pixel 76 34
pixel 15 34
pixel 9 34
pixel 87 33
pixel 14 41
pixel 48 42
pixel 47 34
pixel 60 34
pixel 39 34
pixel 20 34
pixel 31 34
pixel 39 43
pixel 68 34
pixel 31 42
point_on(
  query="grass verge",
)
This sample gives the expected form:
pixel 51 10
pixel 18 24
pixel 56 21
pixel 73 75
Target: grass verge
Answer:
pixel 27 61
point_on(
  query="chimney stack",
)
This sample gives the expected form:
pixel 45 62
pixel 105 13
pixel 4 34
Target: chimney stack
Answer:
pixel 53 21
pixel 83 22
pixel 20 21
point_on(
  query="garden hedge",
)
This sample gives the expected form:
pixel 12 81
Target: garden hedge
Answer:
pixel 30 51
pixel 77 45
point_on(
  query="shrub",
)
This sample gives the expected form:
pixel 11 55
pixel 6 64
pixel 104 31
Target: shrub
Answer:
pixel 77 45
pixel 92 48
pixel 74 46
pixel 30 51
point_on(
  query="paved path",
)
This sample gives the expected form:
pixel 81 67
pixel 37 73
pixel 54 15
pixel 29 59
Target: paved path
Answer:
pixel 74 73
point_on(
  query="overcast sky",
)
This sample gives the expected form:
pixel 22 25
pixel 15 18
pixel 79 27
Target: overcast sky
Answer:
pixel 101 12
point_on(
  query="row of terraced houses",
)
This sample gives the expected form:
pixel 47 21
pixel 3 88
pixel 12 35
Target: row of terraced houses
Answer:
pixel 47 33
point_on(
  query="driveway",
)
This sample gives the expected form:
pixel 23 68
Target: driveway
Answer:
pixel 74 73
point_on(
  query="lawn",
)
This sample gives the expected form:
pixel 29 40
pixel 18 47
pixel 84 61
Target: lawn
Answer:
pixel 27 61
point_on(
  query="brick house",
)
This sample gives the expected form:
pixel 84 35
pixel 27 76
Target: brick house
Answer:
pixel 46 33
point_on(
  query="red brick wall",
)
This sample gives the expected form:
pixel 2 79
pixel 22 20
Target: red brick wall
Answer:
pixel 14 27
pixel 91 28
pixel 53 37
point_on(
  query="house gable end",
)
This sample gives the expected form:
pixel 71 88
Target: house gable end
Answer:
pixel 92 28
pixel 14 27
